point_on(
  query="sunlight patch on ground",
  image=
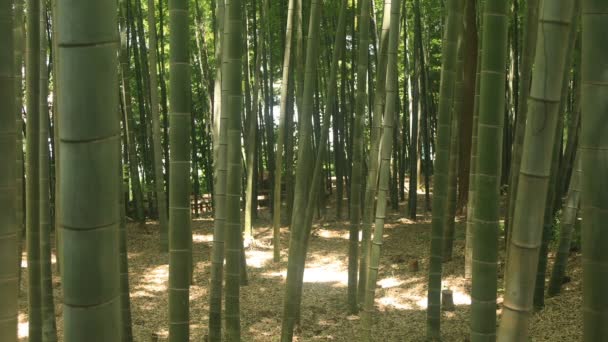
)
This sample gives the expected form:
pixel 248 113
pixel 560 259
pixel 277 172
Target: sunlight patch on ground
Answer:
pixel 456 284
pixel 389 282
pixel 133 255
pixel 202 219
pixel 396 303
pixel 202 238
pixel 258 259
pixel 23 328
pixel 154 281
pixel 332 234
pixel 411 293
pixel 322 269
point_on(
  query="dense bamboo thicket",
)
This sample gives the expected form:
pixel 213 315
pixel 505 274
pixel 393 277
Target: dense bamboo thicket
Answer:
pixel 229 170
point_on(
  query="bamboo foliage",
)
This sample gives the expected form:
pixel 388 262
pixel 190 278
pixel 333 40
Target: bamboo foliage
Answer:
pixel 9 227
pixel 543 106
pixel 89 135
pixel 594 147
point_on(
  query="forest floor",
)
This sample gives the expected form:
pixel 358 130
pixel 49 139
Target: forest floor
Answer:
pixel 400 293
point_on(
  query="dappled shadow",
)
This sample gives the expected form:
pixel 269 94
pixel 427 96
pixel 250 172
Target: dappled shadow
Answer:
pixel 400 295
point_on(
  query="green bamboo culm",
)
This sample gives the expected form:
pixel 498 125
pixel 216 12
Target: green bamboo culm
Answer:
pixel 384 171
pixel 488 171
pixel 49 326
pixel 550 208
pixel 356 183
pixel 285 81
pixel 19 193
pixel 567 221
pixel 159 182
pixel 232 97
pixel 371 185
pixel 298 238
pixel 125 17
pixel 315 182
pixel 532 186
pixel 440 196
pixel 530 30
pixel 9 227
pixel 32 186
pixel 219 188
pixel 89 134
pixel 125 299
pixel 449 230
pixel 468 249
pixel 594 154
pixel 180 234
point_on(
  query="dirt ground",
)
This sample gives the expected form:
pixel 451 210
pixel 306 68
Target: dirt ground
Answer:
pixel 400 293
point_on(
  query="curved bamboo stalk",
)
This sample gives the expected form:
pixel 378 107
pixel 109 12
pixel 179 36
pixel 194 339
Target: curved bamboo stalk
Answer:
pixel 371 185
pixel 384 170
pixel 298 232
pixel 543 106
pixel 527 59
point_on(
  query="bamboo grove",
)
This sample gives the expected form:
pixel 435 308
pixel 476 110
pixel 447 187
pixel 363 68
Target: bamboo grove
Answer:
pixel 483 124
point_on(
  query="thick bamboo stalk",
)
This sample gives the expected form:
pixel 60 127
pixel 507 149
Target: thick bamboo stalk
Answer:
pixel 232 97
pixel 89 135
pixel 9 226
pixel 594 148
pixel 543 107
pixel 488 171
pixel 180 234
